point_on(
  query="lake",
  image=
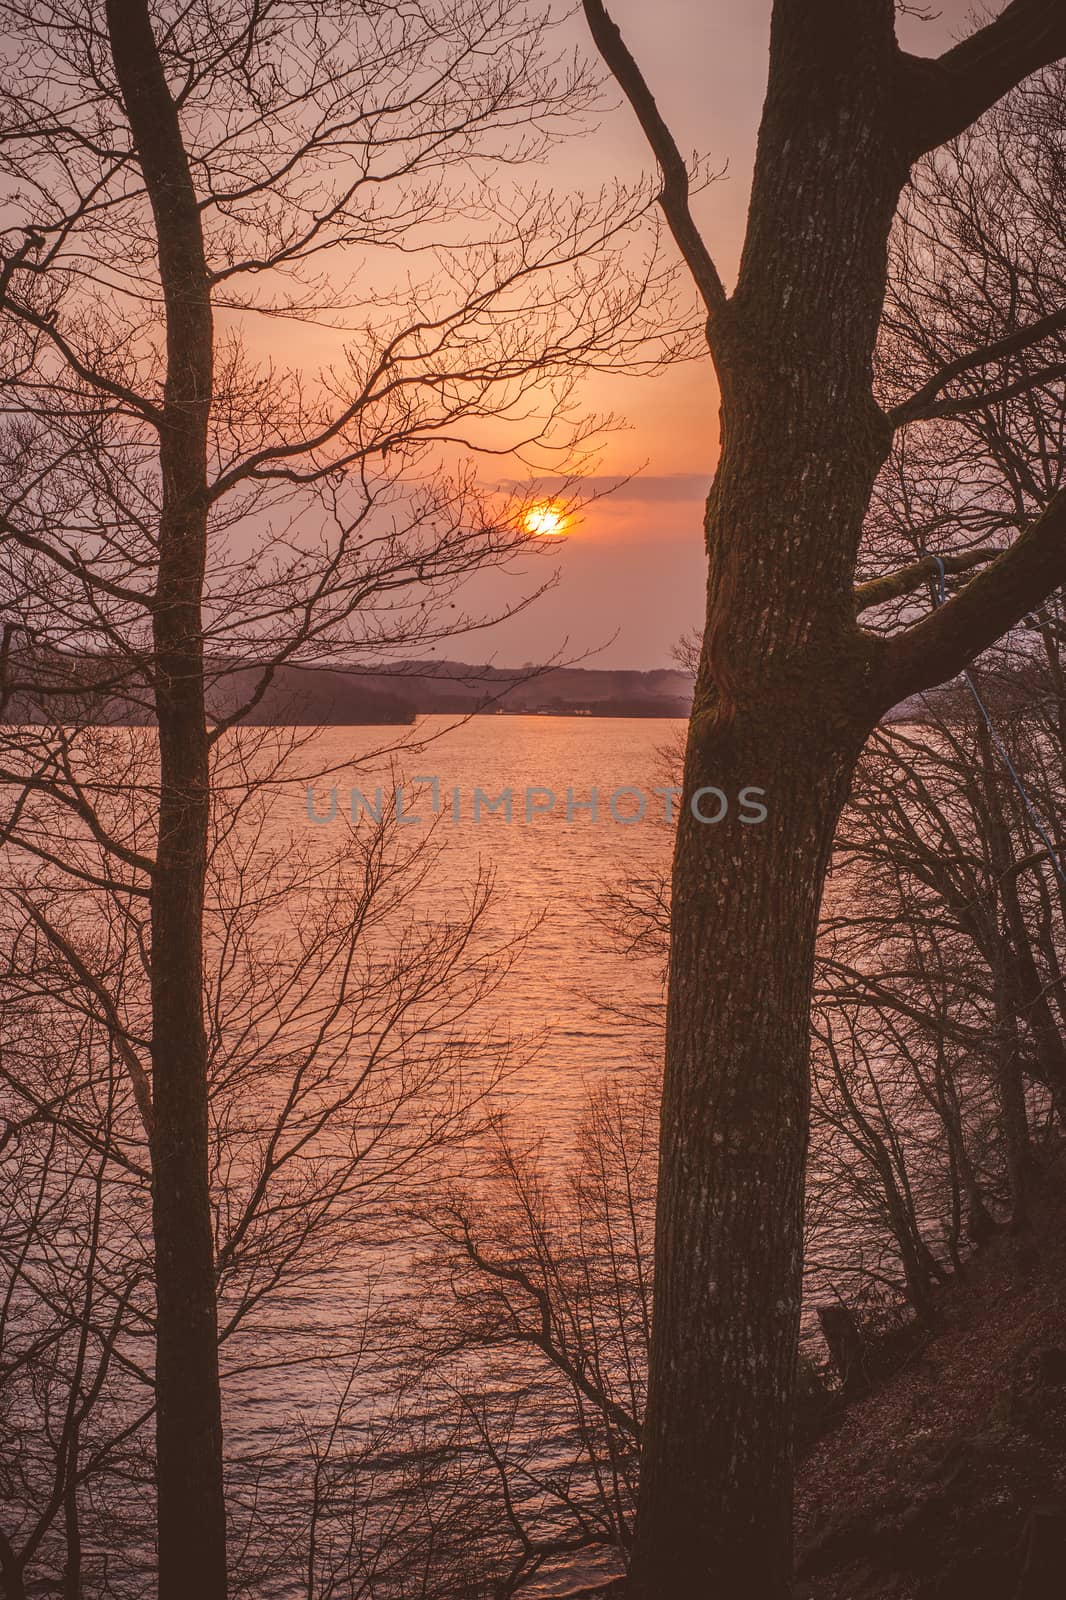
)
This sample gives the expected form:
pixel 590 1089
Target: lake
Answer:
pixel 547 863
pixel 550 866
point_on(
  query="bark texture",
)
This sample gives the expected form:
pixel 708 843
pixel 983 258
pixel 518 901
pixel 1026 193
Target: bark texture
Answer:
pixel 191 1515
pixel 783 702
pixel 788 688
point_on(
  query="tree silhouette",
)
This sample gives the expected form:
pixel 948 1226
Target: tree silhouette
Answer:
pixel 789 687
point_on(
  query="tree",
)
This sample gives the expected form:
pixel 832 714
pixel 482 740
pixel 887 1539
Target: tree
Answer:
pixel 174 504
pixel 536 1330
pixel 73 1416
pixel 789 686
pixel 349 1062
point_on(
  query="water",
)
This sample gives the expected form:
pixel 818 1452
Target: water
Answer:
pixel 546 868
pixel 551 868
pixel 549 871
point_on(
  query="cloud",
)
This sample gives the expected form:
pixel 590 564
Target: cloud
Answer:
pixel 645 488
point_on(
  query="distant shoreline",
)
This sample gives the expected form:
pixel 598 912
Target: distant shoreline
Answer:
pixel 104 691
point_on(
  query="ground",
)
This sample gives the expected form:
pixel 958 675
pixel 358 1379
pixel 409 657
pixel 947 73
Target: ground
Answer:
pixel 948 1482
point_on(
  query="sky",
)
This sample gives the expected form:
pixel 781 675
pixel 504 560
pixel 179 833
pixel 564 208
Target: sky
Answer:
pixel 632 570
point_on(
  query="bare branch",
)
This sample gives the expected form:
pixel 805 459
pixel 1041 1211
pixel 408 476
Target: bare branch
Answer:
pixel 674 198
pixel 942 98
pixel 142 1092
pixel 926 402
pixel 943 643
pixel 894 585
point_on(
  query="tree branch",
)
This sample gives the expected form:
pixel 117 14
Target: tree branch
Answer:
pixel 990 397
pixel 943 643
pixel 545 1339
pixel 894 585
pixel 674 198
pixel 926 402
pixel 117 1031
pixel 942 98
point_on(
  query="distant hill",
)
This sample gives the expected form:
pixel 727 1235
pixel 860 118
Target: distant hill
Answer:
pixel 309 696
pixel 55 687
pixel 454 686
pixel 85 690
pixel 46 687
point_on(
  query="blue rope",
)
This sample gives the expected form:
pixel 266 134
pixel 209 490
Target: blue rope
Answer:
pixel 1000 747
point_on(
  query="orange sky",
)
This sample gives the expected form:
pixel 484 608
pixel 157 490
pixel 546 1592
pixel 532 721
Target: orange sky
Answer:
pixel 632 576
pixel 632 570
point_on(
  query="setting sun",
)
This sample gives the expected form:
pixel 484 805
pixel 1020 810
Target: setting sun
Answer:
pixel 545 521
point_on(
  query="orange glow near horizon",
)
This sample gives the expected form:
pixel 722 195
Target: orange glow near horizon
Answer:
pixel 545 521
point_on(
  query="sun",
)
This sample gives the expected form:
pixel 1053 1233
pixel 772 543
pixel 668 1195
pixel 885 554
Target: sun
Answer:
pixel 544 521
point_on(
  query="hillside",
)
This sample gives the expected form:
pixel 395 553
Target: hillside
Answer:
pixel 69 688
pixel 59 687
pixel 948 1482
pixel 455 686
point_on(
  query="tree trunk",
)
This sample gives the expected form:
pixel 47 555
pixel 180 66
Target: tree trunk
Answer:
pixel 12 1577
pixel 191 1515
pixel 787 691
pixel 1010 1084
pixel 72 1563
pixel 784 702
pixel 980 1225
pixel 1031 989
pixel 1013 1115
pixel 715 1505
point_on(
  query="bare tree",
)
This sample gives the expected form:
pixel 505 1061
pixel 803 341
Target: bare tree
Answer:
pixel 177 502
pixel 73 1305
pixel 789 687
pixel 351 1056
pixel 546 1278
